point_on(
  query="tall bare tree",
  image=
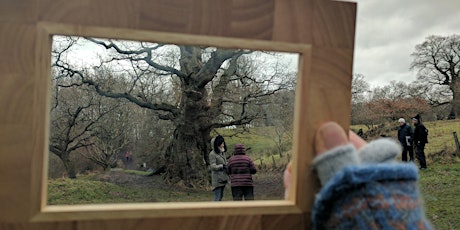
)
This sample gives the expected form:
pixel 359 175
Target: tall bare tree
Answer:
pixel 437 60
pixel 359 88
pixel 360 95
pixel 197 89
pixel 280 114
pixel 112 135
pixel 73 120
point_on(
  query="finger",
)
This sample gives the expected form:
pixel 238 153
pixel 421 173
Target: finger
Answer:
pixel 329 136
pixel 287 180
pixel 356 140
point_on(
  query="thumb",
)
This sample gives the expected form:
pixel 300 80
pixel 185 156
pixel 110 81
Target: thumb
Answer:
pixel 333 152
pixel 329 136
pixel 287 180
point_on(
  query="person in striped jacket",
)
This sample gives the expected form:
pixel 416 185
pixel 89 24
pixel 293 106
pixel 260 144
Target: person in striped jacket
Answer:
pixel 240 167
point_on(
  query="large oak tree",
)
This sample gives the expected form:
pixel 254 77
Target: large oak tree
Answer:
pixel 197 89
pixel 437 60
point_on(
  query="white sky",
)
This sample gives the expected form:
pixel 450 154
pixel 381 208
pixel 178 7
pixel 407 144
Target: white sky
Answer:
pixel 388 30
pixel 86 53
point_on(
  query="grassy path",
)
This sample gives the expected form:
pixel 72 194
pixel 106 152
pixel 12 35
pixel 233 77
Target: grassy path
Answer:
pixel 440 188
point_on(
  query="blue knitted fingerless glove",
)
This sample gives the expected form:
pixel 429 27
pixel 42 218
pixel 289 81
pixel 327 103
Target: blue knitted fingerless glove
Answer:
pixel 367 189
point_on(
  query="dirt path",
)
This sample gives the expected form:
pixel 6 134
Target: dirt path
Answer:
pixel 132 180
pixel 267 185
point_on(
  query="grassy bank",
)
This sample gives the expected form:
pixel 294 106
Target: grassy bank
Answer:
pixel 439 184
pixel 89 190
pixel 440 188
pixel 440 135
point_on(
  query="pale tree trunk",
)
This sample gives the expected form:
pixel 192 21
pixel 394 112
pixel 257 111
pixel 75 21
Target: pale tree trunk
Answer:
pixel 69 166
pixel 455 104
pixel 186 156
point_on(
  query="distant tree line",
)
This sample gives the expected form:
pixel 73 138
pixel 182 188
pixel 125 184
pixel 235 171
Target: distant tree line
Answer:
pixel 435 93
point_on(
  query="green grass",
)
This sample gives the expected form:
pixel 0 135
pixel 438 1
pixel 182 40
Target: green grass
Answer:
pixel 440 135
pixel 440 188
pixel 137 172
pixel 439 184
pixel 355 128
pixel 80 191
pixel 273 161
pixel 88 190
pixel 68 191
pixel 255 140
pixel 261 145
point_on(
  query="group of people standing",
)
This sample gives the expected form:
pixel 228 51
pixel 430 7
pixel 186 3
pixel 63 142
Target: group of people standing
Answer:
pixel 237 171
pixel 409 137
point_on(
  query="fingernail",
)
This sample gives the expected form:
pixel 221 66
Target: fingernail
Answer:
pixel 329 136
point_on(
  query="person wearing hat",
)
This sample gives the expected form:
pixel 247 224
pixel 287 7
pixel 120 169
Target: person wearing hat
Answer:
pixel 240 167
pixel 219 177
pixel 420 139
pixel 405 135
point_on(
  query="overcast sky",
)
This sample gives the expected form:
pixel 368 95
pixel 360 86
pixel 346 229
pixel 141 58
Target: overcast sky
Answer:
pixel 388 30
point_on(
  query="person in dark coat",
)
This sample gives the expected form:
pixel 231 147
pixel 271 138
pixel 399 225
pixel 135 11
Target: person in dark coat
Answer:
pixel 420 139
pixel 405 137
pixel 218 162
pixel 240 168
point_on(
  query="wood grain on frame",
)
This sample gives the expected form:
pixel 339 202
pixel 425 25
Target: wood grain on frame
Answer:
pixel 83 212
pixel 327 27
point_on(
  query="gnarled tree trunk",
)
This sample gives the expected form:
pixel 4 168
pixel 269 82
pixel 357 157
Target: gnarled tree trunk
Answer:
pixel 69 166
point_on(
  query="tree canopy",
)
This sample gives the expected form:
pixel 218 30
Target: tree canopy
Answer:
pixel 196 89
pixel 437 60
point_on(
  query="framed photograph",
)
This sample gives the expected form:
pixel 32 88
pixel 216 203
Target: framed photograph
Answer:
pixel 320 34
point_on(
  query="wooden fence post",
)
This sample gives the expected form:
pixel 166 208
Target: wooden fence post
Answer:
pixel 456 141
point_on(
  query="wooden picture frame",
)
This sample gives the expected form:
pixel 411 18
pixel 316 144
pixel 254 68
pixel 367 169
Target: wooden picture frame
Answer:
pixel 321 31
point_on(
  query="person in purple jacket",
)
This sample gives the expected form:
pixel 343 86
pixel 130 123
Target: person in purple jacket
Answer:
pixel 240 168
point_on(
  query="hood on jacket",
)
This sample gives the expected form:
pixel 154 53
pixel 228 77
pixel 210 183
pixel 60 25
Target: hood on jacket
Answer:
pixel 417 118
pixel 216 142
pixel 239 149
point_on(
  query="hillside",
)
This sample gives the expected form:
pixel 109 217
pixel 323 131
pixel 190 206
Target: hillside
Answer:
pixel 440 135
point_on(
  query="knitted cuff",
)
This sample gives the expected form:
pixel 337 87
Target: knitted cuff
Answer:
pixel 329 163
pixel 379 151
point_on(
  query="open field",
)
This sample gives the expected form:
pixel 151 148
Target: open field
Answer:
pixel 440 188
pixel 440 135
pixel 439 184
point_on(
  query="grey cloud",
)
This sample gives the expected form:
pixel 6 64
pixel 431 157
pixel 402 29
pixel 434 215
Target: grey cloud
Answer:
pixel 387 32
